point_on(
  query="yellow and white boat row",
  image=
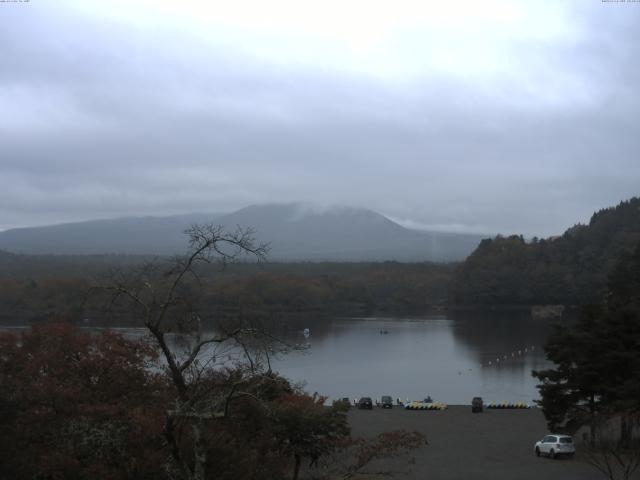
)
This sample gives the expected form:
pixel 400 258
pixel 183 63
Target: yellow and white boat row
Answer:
pixel 425 406
pixel 509 405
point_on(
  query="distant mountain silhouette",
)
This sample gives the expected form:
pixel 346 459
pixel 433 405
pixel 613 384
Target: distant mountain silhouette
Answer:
pixel 129 235
pixel 295 232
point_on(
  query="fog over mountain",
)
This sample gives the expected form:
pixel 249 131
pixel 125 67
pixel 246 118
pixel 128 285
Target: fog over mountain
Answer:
pixel 294 231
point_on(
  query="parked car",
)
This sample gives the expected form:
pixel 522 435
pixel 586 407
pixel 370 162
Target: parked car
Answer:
pixel 555 445
pixel 476 405
pixel 344 401
pixel 386 401
pixel 365 403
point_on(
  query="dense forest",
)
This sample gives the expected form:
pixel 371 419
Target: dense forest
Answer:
pixel 571 269
pixel 35 288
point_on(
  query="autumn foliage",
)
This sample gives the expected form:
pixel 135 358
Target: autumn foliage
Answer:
pixel 75 405
pixel 79 405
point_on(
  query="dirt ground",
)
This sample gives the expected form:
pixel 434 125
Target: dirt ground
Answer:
pixel 494 445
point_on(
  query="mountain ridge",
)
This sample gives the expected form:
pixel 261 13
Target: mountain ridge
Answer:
pixel 296 231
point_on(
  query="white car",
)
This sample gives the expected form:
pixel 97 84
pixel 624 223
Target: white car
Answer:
pixel 555 446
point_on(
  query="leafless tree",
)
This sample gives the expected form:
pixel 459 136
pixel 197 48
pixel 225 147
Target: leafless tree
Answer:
pixel 614 455
pixel 164 301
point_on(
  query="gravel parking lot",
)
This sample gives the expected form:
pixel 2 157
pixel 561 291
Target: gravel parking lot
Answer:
pixel 494 445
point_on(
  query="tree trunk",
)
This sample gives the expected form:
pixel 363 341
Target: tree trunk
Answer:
pixel 173 445
pixel 199 452
pixel 592 420
pixel 296 467
pixel 625 432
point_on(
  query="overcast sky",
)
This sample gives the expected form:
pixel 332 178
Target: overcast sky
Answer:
pixel 480 116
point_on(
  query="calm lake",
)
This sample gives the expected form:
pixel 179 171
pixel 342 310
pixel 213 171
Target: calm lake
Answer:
pixel 450 357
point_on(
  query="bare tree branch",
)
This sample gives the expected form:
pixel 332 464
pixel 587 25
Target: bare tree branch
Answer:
pixel 163 302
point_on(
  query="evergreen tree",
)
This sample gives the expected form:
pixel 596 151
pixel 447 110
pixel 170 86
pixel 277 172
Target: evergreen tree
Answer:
pixel 597 361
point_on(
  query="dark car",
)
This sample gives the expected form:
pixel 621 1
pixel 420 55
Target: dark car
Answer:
pixel 386 401
pixel 365 403
pixel 476 405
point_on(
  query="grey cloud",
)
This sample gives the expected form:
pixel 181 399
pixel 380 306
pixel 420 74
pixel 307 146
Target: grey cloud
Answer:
pixel 120 121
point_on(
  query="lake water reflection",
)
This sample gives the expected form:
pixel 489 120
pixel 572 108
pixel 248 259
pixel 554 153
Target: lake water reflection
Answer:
pixel 450 357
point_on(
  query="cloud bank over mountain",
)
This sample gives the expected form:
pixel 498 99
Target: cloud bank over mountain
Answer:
pixel 492 116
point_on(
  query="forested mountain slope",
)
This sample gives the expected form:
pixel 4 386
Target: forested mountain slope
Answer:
pixel 570 269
